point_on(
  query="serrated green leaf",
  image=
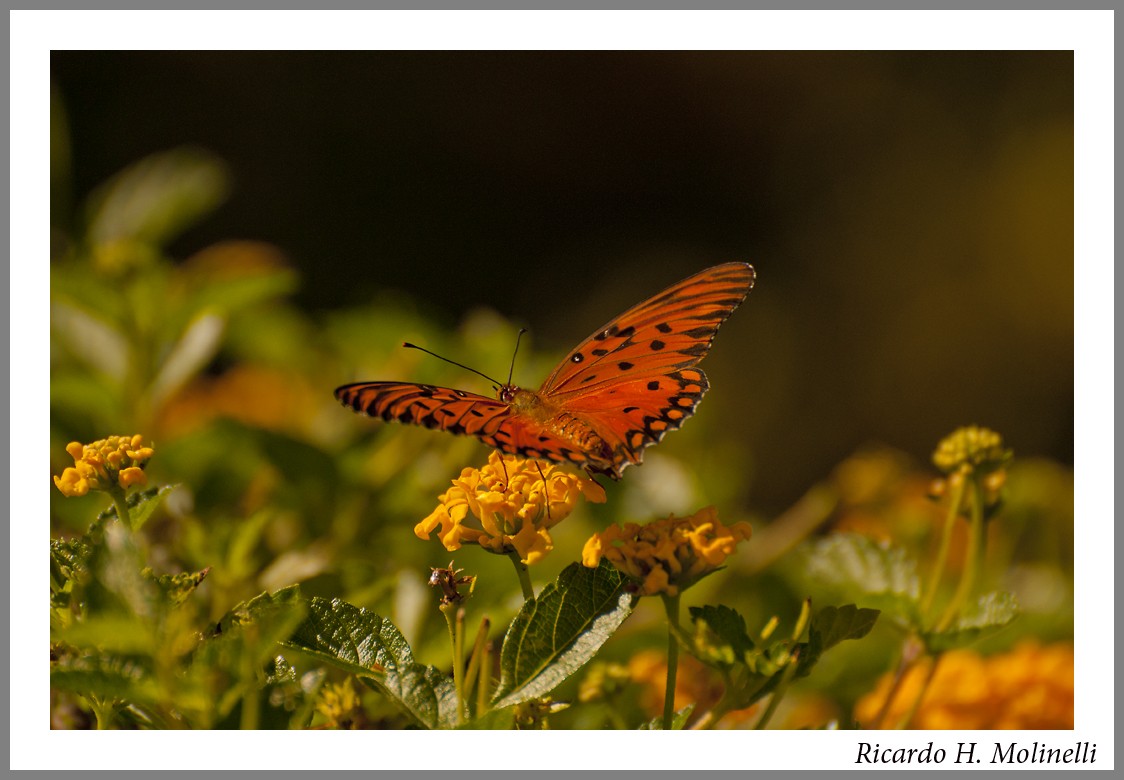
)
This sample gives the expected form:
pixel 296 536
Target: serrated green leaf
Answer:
pixel 177 587
pixel 105 676
pixel 678 720
pixel 832 625
pixel 352 638
pixel 371 647
pixel 141 505
pixel 992 612
pixel 727 643
pixel 561 629
pixel 260 609
pixel 860 569
pixel 70 560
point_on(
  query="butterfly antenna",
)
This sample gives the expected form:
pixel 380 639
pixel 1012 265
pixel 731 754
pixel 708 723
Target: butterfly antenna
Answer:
pixel 518 338
pixel 408 345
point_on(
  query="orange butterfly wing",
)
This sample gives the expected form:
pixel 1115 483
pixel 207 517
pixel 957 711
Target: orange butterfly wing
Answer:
pixel 496 423
pixel 634 379
pixel 616 393
pixel 449 410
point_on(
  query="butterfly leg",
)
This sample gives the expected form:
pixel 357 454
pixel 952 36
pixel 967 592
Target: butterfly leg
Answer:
pixel 593 475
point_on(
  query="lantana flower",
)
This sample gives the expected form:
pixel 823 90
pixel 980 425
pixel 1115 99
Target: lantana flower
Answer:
pixel 507 506
pixel 112 464
pixel 667 556
pixel 971 448
pixel 1028 687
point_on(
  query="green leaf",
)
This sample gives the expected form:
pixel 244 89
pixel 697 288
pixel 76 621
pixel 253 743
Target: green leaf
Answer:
pixel 725 643
pixel 678 720
pixel 70 560
pixel 157 198
pixel 861 570
pixel 231 294
pixel 351 638
pixel 832 625
pixel 992 612
pixel 107 677
pixel 561 629
pixel 372 648
pixel 112 632
pixel 143 503
pixel 177 587
pixel 193 349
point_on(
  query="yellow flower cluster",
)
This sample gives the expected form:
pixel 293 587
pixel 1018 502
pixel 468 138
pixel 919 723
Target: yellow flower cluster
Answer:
pixel 971 448
pixel 516 502
pixel 340 706
pixel 667 556
pixel 1030 687
pixel 110 464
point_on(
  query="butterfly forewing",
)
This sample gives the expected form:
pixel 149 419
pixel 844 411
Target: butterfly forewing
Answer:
pixel 670 331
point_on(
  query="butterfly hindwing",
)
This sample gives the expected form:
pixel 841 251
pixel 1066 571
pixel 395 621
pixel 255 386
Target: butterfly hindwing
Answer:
pixel 492 421
pixel 632 415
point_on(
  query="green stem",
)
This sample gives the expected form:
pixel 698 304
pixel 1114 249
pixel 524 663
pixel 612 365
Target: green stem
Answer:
pixel 122 507
pixel 482 685
pixel 671 606
pixel 475 660
pixel 974 557
pixel 524 575
pixel 778 693
pixel 455 622
pixel 103 712
pixel 946 540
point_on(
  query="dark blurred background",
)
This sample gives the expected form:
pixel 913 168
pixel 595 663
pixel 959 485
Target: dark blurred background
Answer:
pixel 910 215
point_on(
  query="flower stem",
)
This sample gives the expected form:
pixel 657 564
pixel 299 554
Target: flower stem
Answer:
pixel 974 556
pixel 103 712
pixel 524 575
pixel 454 618
pixel 671 606
pixel 472 675
pixel 946 539
pixel 122 507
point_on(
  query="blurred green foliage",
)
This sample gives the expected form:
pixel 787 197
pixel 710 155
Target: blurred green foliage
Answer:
pixel 209 359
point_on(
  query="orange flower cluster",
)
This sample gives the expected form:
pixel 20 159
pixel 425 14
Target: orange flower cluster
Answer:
pixel 667 555
pixel 516 502
pixel 110 464
pixel 1030 687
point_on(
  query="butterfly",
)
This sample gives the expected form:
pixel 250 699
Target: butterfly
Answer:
pixel 616 393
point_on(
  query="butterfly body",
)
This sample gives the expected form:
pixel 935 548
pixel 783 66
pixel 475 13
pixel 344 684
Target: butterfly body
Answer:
pixel 615 394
